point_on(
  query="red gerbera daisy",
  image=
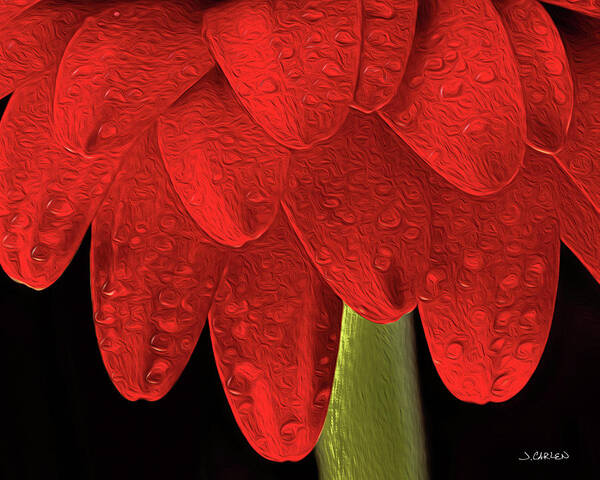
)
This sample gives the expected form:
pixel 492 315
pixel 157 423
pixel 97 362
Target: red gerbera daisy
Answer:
pixel 261 161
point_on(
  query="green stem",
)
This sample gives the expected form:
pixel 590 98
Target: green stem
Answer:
pixel 374 427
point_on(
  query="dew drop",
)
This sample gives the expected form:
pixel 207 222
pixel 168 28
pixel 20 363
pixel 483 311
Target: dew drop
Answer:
pixel 313 15
pixel 286 53
pixel 268 85
pixel 390 218
pixel 332 70
pixel 345 38
pixel 554 66
pixel 60 207
pixel 451 89
pixel 289 430
pixel 40 253
pixel 158 372
pixel 487 75
pixel 107 130
pixel 323 256
pixel 454 350
pixel 160 343
pixel 10 241
pixel 379 10
pixel 501 384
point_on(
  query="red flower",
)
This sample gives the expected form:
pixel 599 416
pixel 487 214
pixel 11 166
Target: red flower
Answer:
pixel 410 146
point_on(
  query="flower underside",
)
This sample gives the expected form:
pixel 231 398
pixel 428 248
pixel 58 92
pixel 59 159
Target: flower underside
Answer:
pixel 261 162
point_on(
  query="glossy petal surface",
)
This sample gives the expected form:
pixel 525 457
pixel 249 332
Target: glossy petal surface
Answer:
pixel 34 39
pixel 154 275
pixel 11 8
pixel 460 103
pixel 123 68
pixel 388 32
pixel 581 156
pixel 275 329
pixel 488 300
pixel 544 70
pixel 358 204
pixel 48 195
pixel 292 64
pixel 588 7
pixel 226 169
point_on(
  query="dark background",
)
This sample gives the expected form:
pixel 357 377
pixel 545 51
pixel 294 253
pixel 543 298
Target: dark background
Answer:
pixel 64 419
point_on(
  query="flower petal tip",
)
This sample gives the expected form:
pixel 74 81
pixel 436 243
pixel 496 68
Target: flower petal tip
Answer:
pixel 109 92
pixel 296 83
pixel 275 329
pixel 153 277
pixel 487 302
pixel 460 104
pixel 228 172
pixel 359 206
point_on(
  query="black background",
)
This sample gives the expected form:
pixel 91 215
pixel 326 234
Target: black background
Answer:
pixel 64 419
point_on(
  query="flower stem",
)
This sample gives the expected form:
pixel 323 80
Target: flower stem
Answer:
pixel 374 426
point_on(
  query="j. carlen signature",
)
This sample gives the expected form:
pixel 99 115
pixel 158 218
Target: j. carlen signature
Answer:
pixel 541 456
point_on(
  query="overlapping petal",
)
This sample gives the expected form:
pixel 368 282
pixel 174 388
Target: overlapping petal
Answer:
pixel 292 64
pixel 227 170
pixel 153 275
pixel 579 221
pixel 581 156
pixel 35 39
pixel 275 328
pixel 460 104
pixel 544 71
pixel 387 37
pixel 123 68
pixel 487 301
pixel 358 204
pixel 48 196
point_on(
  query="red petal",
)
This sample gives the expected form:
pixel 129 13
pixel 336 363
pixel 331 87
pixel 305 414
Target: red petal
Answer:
pixel 292 64
pixel 579 222
pixel 227 170
pixel 123 68
pixel 544 69
pixel 388 32
pixel 460 104
pixel 153 278
pixel 11 8
pixel 35 39
pixel 589 7
pixel 581 156
pixel 359 206
pixel 488 300
pixel 275 330
pixel 48 195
